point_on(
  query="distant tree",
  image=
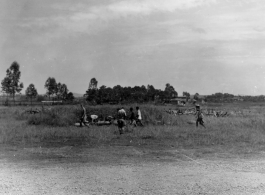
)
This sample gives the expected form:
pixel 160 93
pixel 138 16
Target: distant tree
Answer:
pixel 151 93
pixel 186 94
pixel 92 92
pixel 108 94
pixel 51 86
pixel 93 83
pixel 117 93
pixel 196 96
pixel 127 94
pixel 10 84
pixel 227 95
pixel 40 98
pixel 103 94
pixel 162 96
pixel 6 87
pixel 143 93
pixel 170 92
pixel 57 94
pixel 31 92
pixel 70 96
pixel 61 91
pixel 219 95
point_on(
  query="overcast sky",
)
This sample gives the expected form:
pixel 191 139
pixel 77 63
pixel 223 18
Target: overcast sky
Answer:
pixel 203 46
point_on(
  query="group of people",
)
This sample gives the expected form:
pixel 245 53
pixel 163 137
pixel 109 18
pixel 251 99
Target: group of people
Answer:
pixel 134 118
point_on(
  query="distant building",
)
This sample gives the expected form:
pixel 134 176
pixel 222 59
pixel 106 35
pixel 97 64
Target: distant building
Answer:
pixel 179 100
pixel 201 98
pixel 237 98
pixel 51 102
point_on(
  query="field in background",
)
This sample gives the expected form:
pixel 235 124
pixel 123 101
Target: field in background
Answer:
pixel 237 133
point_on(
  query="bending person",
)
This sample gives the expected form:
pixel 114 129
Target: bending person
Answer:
pixel 121 120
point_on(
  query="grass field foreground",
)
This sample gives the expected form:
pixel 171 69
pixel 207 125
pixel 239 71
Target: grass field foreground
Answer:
pixel 236 132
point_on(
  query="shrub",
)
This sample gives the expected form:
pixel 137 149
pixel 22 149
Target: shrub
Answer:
pixel 58 116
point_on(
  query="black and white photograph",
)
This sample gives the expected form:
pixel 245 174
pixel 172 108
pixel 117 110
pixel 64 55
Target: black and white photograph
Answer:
pixel 138 97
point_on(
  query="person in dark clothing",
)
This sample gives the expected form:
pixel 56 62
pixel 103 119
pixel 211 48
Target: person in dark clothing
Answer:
pixel 132 118
pixel 83 119
pixel 199 117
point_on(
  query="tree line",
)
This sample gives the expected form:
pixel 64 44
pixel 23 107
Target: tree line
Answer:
pixel 11 85
pixel 117 94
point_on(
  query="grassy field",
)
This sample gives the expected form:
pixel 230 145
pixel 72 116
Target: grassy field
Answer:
pixel 241 133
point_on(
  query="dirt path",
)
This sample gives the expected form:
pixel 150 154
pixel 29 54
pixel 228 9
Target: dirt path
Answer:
pixel 68 170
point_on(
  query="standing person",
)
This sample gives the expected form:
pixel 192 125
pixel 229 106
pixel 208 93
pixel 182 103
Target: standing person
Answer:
pixel 132 118
pixel 83 118
pixel 139 116
pixel 121 114
pixel 199 116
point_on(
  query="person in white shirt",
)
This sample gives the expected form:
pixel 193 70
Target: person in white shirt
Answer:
pixel 121 115
pixel 123 111
pixel 93 118
pixel 139 116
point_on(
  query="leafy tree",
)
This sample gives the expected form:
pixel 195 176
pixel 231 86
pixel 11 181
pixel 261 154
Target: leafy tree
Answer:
pixel 51 86
pixel 139 93
pixel 196 96
pixel 151 92
pixel 117 93
pixel 170 92
pixel 92 92
pixel 187 95
pixel 10 84
pixel 93 83
pixel 31 92
pixel 6 85
pixel 108 94
pixel 104 94
pixel 61 91
pixel 70 96
pixel 161 95
pixel 40 98
pixel 227 95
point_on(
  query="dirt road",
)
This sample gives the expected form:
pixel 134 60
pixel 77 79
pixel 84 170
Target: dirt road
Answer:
pixel 125 170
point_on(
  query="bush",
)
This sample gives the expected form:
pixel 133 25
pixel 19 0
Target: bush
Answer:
pixel 57 116
pixel 68 115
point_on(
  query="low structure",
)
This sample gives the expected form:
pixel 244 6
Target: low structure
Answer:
pixel 179 100
pixel 237 98
pixel 51 102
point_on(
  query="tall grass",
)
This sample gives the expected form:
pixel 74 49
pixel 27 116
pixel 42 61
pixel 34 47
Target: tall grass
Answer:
pixel 65 116
pixel 56 124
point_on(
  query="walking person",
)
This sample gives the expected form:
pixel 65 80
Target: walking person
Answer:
pixel 132 118
pixel 199 117
pixel 139 116
pixel 83 118
pixel 121 114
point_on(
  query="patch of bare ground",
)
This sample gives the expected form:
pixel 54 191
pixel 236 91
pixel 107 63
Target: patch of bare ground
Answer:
pixel 128 169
